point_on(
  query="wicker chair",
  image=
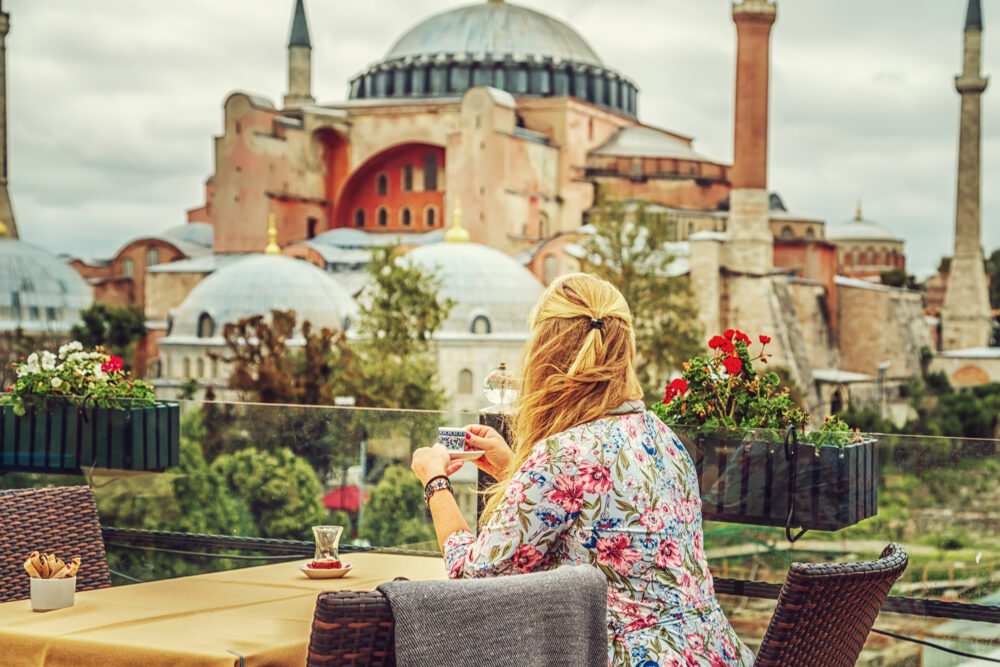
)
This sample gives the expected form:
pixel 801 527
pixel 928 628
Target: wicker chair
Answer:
pixel 824 614
pixel 61 520
pixel 826 611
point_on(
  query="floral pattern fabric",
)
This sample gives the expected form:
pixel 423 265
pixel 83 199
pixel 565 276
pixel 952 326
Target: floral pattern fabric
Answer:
pixel 621 494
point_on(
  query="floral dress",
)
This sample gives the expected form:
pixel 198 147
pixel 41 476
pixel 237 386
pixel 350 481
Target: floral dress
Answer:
pixel 621 494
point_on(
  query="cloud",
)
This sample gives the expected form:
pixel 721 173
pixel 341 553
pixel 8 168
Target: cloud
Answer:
pixel 113 105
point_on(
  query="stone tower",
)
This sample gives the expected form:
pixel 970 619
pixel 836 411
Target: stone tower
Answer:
pixel 299 61
pixel 751 247
pixel 6 210
pixel 965 316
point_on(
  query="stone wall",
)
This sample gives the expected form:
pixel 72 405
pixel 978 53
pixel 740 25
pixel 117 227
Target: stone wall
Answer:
pixel 813 311
pixel 880 324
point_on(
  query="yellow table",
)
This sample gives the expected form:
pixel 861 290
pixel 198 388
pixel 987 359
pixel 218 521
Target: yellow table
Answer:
pixel 262 614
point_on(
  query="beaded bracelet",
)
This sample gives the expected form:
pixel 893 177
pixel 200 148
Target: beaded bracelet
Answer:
pixel 436 484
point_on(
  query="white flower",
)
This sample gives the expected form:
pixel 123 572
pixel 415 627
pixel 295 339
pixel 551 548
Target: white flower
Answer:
pixel 48 361
pixel 21 371
pixel 56 383
pixel 98 373
pixel 65 350
pixel 33 358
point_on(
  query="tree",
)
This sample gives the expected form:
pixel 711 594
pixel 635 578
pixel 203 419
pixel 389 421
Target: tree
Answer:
pixel 117 328
pixel 629 249
pixel 393 515
pixel 899 278
pixel 279 488
pixel 993 272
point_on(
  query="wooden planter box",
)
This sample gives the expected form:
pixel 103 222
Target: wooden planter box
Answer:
pixel 756 483
pixel 72 439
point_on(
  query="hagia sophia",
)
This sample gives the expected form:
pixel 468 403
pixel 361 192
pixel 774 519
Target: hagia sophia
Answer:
pixel 480 142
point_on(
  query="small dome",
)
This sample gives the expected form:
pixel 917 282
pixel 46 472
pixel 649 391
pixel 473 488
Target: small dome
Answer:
pixel 859 229
pixel 256 286
pixel 199 233
pixel 38 292
pixel 494 29
pixel 491 291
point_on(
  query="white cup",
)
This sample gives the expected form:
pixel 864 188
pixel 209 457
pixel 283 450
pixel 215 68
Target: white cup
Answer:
pixel 48 594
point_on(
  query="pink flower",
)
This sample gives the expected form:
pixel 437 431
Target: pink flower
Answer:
pixel 652 520
pixel 715 660
pixel 728 649
pixel 645 622
pixel 535 461
pixel 690 658
pixel 617 552
pixel 696 643
pixel 596 478
pixel 690 589
pixel 526 558
pixel 568 493
pixel 514 495
pixel 112 364
pixel 669 555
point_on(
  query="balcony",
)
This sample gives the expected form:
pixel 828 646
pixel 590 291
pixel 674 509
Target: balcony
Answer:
pixel 253 479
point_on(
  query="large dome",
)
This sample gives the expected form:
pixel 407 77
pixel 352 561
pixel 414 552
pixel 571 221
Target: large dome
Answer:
pixel 256 286
pixel 38 292
pixel 509 47
pixel 492 292
pixel 494 29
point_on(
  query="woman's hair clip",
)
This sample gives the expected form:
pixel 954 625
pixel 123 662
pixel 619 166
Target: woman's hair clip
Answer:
pixel 596 323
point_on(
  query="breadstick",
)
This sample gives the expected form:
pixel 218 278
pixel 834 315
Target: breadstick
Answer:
pixel 52 565
pixel 30 568
pixel 43 566
pixel 59 564
pixel 62 572
pixel 74 566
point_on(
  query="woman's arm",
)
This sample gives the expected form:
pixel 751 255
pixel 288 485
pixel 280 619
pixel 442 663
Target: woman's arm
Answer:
pixel 431 462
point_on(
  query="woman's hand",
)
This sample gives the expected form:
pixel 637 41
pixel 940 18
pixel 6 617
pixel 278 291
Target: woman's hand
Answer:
pixel 496 459
pixel 429 462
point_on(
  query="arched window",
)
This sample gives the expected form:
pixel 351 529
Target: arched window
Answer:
pixel 849 259
pixel 836 403
pixel 359 218
pixel 382 184
pixel 408 178
pixel 167 366
pixel 430 172
pixel 430 216
pixel 481 325
pixel 787 233
pixel 152 256
pixel 550 267
pixel 206 327
pixel 214 368
pixel 383 217
pixel 128 268
pixel 869 257
pixel 810 233
pixel 200 367
pixel 465 381
pixel 406 217
pixel 187 367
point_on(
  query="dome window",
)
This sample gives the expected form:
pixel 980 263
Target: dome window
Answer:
pixel 128 269
pixel 787 233
pixel 430 216
pixel 383 217
pixel 408 178
pixel 430 172
pixel 152 256
pixel 359 218
pixel 465 381
pixel 481 325
pixel 382 184
pixel 406 217
pixel 810 233
pixel 33 313
pixel 50 314
pixel 206 326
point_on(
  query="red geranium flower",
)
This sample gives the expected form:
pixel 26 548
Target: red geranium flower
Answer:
pixel 733 365
pixel 729 334
pixel 680 385
pixel 740 336
pixel 765 339
pixel 717 342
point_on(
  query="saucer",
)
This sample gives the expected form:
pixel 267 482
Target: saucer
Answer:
pixel 334 573
pixel 466 456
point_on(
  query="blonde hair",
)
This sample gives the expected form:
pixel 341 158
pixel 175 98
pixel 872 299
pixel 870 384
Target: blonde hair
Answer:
pixel 579 362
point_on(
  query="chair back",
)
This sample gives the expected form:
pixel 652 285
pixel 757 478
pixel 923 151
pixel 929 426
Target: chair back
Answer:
pixel 826 611
pixel 61 520
pixel 353 629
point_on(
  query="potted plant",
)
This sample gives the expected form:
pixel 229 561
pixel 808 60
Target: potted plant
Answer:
pixel 755 463
pixel 78 410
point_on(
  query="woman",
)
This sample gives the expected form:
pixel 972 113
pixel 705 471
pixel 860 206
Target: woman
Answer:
pixel 591 478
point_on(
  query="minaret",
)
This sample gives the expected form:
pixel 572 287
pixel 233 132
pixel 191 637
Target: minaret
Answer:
pixel 965 316
pixel 751 246
pixel 6 210
pixel 299 61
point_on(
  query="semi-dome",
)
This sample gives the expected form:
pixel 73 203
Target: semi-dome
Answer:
pixel 256 286
pixel 492 292
pixel 38 292
pixel 506 46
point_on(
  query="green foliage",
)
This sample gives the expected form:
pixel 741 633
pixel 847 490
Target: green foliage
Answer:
pixel 280 489
pixel 629 249
pixel 117 328
pixel 899 278
pixel 393 515
pixel 74 377
pixel 993 272
pixel 868 420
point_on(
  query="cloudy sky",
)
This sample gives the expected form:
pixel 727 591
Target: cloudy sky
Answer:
pixel 113 103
